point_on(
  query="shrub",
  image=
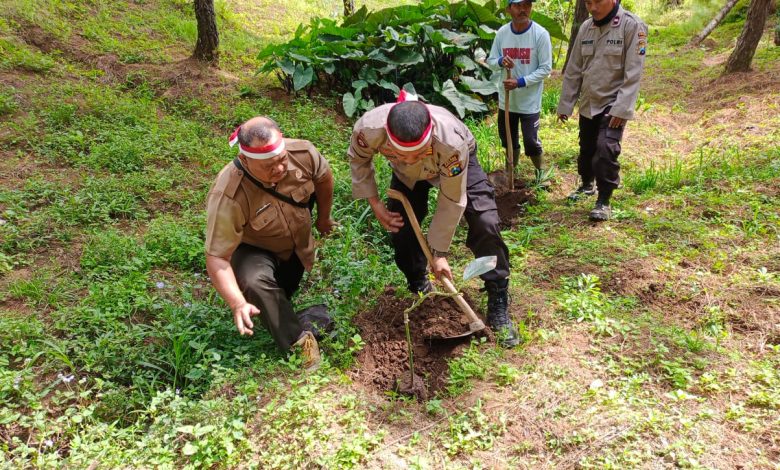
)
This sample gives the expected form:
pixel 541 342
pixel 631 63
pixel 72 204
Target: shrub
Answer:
pixel 437 46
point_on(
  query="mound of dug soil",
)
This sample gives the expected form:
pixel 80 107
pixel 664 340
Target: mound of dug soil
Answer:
pixel 510 203
pixel 383 364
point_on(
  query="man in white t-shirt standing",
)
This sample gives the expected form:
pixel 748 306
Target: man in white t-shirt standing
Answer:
pixel 524 48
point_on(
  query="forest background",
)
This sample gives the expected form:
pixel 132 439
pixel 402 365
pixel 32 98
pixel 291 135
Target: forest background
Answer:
pixel 650 341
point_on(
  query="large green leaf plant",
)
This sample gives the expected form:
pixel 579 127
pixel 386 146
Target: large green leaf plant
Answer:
pixel 435 47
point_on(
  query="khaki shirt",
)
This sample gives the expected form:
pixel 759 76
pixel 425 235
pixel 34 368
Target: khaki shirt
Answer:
pixel 240 212
pixel 444 168
pixel 605 67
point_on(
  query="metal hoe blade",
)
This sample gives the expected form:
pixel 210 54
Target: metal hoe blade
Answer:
pixel 480 266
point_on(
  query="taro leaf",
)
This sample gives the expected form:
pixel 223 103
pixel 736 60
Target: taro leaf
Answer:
pixel 287 66
pixel 368 74
pixel 386 69
pixel 461 40
pixel 350 104
pixel 358 86
pixel 389 86
pixel 331 31
pixel 402 39
pixel 354 55
pixel 302 77
pixel 391 34
pixel 403 14
pixel 329 68
pixel 486 32
pixel 401 57
pixel 482 87
pixel 299 57
pixel 356 18
pixel 270 50
pixel 552 26
pixel 461 101
pixel 408 57
pixel 478 13
pixel 464 62
pixel 367 105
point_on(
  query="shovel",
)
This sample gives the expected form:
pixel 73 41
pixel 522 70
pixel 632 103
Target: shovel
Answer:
pixel 510 157
pixel 475 324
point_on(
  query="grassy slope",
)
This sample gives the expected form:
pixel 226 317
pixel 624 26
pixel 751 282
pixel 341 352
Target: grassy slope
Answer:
pixel 652 340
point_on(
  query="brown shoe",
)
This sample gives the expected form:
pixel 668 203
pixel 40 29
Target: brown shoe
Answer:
pixel 310 351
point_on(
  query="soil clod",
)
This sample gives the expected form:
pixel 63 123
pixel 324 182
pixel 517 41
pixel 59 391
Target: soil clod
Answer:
pixel 510 203
pixel 412 385
pixel 384 361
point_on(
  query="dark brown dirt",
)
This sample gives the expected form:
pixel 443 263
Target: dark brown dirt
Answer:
pixel 510 203
pixel 383 364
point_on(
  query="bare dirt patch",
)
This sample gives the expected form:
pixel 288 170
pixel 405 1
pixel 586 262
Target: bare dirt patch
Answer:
pixel 510 203
pixel 385 358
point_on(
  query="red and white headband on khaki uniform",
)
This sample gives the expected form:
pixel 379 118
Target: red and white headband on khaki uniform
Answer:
pixel 424 138
pixel 258 153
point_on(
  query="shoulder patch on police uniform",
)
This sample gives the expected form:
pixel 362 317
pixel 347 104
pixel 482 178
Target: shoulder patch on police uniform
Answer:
pixel 453 166
pixel 641 43
pixel 616 21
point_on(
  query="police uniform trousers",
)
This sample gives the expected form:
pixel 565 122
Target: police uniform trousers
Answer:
pixel 599 151
pixel 529 127
pixel 484 236
pixel 268 283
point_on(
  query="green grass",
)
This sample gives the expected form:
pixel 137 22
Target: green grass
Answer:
pixel 115 349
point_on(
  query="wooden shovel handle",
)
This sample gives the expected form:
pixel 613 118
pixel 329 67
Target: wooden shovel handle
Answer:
pixel 476 323
pixel 510 164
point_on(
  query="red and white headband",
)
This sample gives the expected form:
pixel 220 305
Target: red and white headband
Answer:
pixel 258 153
pixel 417 144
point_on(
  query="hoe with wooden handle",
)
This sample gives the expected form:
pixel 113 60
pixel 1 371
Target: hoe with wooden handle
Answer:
pixel 510 157
pixel 475 324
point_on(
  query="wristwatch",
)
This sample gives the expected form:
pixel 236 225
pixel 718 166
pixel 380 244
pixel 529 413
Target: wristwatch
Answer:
pixel 439 254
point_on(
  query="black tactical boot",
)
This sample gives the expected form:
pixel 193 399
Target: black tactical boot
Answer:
pixel 585 190
pixel 602 211
pixel 420 286
pixel 498 316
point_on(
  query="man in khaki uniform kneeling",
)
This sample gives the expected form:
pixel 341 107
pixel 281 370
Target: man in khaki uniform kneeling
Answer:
pixel 258 237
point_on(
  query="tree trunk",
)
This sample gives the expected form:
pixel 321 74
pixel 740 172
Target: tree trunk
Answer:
pixel 714 23
pixel 349 7
pixel 207 46
pixel 580 15
pixel 742 56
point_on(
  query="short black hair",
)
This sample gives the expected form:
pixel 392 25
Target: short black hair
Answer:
pixel 261 130
pixel 408 120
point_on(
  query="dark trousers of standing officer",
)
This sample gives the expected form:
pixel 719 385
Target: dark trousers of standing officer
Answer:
pixel 484 236
pixel 599 151
pixel 268 283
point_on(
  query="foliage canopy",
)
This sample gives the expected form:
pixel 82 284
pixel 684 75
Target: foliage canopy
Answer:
pixel 437 46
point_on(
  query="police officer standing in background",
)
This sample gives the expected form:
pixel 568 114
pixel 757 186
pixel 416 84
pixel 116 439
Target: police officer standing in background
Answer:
pixel 603 72
pixel 427 146
pixel 258 235
pixel 524 48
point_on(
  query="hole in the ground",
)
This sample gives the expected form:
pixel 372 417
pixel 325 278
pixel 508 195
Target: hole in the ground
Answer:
pixel 383 364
